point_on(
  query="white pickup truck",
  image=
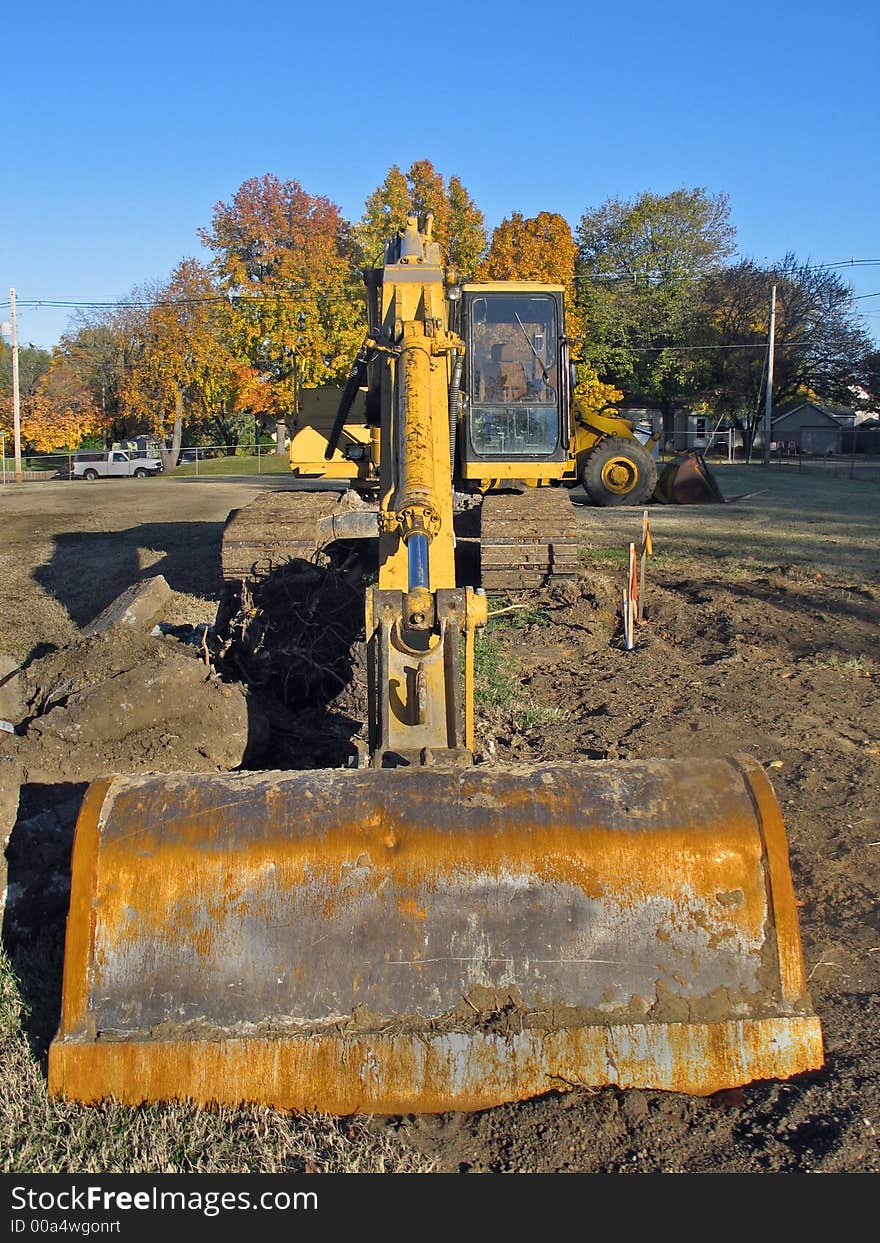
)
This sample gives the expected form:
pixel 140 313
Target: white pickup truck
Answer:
pixel 113 464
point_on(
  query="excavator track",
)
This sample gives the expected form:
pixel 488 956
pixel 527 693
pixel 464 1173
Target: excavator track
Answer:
pixel 275 528
pixel 528 539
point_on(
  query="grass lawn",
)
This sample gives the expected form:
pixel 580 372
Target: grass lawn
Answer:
pixel 265 464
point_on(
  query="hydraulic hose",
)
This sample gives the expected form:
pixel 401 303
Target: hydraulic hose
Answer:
pixel 454 404
pixel 355 379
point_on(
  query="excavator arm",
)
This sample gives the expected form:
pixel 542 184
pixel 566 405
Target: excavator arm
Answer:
pixel 416 615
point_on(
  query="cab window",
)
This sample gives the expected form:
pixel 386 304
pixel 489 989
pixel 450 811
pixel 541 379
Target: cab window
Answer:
pixel 513 375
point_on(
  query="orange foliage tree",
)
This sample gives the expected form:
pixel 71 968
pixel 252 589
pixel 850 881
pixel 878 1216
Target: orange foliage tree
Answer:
pixel 542 248
pixel 52 414
pixel 49 423
pixel 91 364
pixel 57 408
pixel 282 257
pixel 186 370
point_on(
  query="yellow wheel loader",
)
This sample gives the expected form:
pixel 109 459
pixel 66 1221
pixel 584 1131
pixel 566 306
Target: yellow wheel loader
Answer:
pixel 423 933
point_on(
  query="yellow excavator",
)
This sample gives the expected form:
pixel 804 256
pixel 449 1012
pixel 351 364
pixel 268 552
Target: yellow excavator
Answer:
pixel 515 366
pixel 421 932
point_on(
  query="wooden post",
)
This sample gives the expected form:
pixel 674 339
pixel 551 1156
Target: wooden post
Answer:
pixel 647 551
pixel 768 396
pixel 630 601
pixel 16 406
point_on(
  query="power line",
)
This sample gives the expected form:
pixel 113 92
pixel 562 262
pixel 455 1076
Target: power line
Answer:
pixel 686 349
pixel 136 304
pixel 294 294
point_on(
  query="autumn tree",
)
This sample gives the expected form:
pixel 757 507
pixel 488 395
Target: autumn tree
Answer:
pixel 60 406
pixel 92 362
pixel 542 248
pixel 639 270
pixel 459 225
pixel 33 363
pixel 186 372
pixel 385 213
pixel 282 258
pixel 820 345
pixel 467 230
pixel 50 422
pixel 52 413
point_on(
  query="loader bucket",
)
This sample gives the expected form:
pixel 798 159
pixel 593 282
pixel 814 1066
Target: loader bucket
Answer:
pixel 687 480
pixel 428 939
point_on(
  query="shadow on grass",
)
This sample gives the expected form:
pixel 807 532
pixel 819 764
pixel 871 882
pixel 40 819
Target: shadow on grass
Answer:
pixel 89 569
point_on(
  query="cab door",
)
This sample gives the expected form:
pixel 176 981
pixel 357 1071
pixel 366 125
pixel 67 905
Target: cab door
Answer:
pixel 119 464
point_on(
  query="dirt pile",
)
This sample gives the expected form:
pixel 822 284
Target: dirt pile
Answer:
pixel 128 701
pixel 132 696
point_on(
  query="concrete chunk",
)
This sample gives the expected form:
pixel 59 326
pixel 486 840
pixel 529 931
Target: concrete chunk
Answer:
pixel 138 607
pixel 13 707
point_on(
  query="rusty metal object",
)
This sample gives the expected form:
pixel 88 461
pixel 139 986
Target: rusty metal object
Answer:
pixel 528 539
pixel 423 939
pixel 687 480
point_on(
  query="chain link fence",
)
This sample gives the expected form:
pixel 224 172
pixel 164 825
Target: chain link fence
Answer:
pixel 195 460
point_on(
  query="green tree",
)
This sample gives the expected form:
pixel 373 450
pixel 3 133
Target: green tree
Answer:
pixel 820 345
pixel 459 225
pixel 33 363
pixel 869 377
pixel 640 268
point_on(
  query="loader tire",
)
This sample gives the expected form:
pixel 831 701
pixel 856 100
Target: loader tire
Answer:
pixel 619 471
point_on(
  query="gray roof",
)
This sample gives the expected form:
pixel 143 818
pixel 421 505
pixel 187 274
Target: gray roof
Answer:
pixel 830 415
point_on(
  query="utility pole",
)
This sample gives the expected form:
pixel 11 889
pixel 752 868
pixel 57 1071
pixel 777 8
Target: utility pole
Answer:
pixel 768 396
pixel 16 406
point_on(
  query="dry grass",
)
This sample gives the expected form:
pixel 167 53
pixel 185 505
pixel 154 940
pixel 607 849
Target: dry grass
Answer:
pixel 39 1134
pixel 815 522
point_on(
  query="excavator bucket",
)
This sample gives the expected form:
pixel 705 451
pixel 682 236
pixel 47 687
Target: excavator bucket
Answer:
pixel 687 480
pixel 424 939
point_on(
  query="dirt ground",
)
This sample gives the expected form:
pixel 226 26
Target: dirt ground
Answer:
pixel 760 636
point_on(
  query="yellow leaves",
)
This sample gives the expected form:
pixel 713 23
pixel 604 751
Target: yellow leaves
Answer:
pixel 295 313
pixel 46 424
pixel 184 351
pixel 540 248
pixel 591 393
pixel 459 225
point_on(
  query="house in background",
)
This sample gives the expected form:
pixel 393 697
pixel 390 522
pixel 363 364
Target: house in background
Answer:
pixel 811 428
pixel 140 446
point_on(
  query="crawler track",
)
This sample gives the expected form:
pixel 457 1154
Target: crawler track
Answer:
pixel 528 539
pixel 273 529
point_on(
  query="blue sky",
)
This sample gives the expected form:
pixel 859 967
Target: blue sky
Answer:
pixel 125 123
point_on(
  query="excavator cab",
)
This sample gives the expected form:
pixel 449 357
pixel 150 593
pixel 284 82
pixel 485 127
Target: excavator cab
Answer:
pixel 515 382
